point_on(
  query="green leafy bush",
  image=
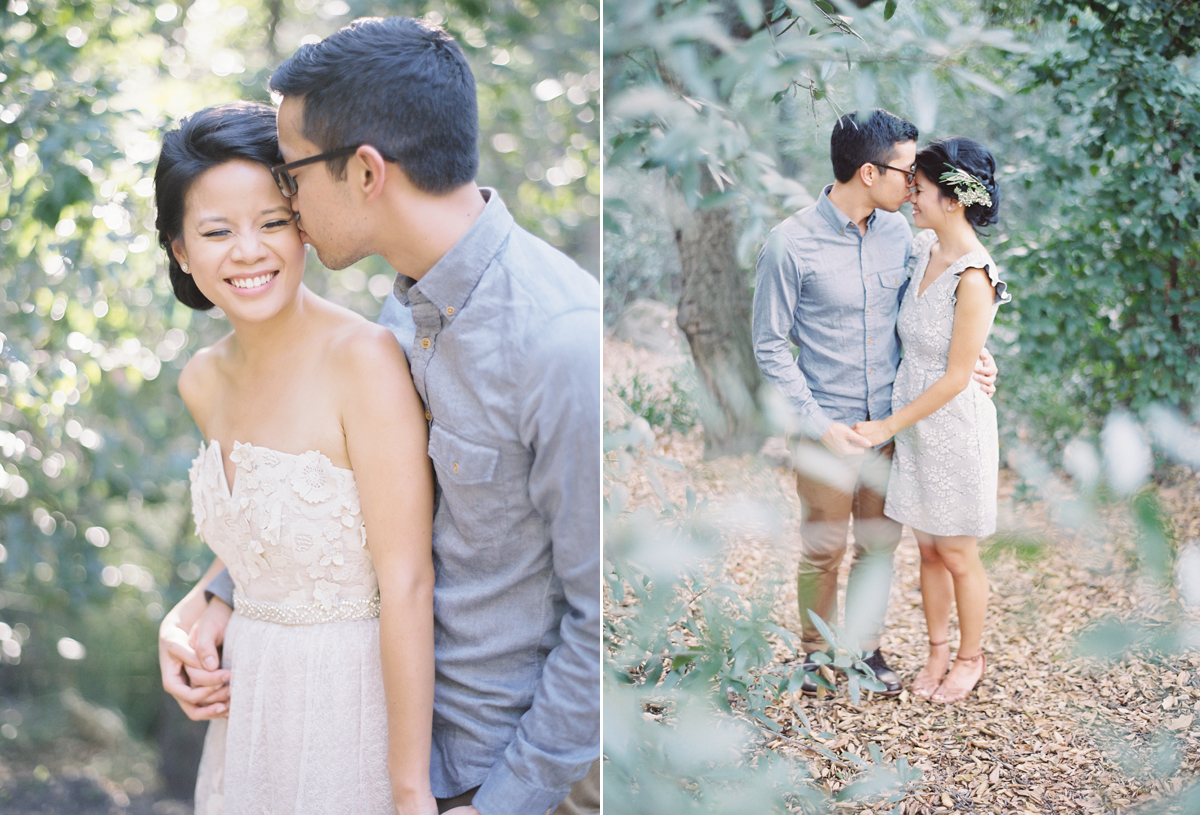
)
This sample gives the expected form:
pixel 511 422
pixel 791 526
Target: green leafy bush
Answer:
pixel 1108 314
pixel 671 409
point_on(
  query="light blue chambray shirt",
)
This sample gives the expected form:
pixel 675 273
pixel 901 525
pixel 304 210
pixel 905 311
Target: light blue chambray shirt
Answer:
pixel 835 294
pixel 503 336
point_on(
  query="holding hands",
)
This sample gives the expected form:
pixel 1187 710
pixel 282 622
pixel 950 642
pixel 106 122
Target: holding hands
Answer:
pixel 840 440
pixel 876 433
pixel 187 656
pixel 873 434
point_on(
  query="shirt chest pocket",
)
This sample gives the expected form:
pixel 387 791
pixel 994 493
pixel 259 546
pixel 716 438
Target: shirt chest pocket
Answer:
pixel 891 285
pixel 893 278
pixel 466 473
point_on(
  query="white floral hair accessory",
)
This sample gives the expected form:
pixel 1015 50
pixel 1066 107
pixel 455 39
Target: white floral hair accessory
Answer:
pixel 967 188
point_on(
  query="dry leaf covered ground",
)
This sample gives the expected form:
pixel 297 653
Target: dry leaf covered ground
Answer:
pixel 1048 730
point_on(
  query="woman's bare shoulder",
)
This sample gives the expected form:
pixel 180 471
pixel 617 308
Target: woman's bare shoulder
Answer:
pixel 357 344
pixel 201 382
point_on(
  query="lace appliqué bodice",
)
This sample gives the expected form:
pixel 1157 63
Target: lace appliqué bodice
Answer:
pixel 290 530
pixel 307 724
pixel 945 469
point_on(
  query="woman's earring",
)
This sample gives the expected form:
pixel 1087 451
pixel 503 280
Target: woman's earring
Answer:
pixel 184 267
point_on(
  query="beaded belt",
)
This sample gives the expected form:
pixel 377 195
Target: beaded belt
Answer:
pixel 361 608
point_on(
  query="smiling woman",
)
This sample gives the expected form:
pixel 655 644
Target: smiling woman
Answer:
pixel 309 417
pixel 240 243
pixel 240 132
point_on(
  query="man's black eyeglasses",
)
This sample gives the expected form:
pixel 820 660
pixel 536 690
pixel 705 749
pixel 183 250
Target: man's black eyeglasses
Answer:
pixel 909 174
pixel 282 172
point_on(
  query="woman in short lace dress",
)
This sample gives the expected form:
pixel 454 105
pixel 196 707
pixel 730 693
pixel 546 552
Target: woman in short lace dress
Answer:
pixel 313 488
pixel 944 473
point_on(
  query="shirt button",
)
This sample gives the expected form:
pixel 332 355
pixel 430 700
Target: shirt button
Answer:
pixel 456 468
pixel 870 341
pixel 426 342
pixel 428 416
pixel 449 311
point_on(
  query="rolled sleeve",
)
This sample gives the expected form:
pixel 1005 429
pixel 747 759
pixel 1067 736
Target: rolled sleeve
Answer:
pixel 220 587
pixel 779 282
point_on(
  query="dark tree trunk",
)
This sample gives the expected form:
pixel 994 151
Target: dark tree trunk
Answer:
pixel 714 315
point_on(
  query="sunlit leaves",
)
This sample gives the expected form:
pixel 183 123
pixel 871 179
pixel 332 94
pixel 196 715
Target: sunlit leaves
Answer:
pixel 538 73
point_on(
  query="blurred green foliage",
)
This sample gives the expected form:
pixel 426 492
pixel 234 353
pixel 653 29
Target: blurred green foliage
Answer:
pixel 95 532
pixel 670 408
pixel 641 259
pixel 1109 268
pixel 693 677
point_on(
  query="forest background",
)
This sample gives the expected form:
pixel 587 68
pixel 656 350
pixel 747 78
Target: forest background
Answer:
pixel 717 123
pixel 96 541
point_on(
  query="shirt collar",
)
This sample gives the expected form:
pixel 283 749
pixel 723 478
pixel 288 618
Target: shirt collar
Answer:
pixel 454 277
pixel 835 217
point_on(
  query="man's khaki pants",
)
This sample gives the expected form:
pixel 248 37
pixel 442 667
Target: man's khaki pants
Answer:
pixel 833 491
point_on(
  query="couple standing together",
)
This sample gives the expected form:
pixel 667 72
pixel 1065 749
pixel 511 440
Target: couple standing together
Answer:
pixel 887 441
pixel 405 514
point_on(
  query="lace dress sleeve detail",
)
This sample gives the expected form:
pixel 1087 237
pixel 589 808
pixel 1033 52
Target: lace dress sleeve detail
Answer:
pixel 982 260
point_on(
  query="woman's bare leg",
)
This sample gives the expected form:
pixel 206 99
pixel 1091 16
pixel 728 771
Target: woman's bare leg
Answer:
pixel 960 555
pixel 937 596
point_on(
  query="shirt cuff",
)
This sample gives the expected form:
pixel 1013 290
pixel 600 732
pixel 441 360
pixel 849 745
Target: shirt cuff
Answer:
pixel 503 793
pixel 220 587
pixel 816 424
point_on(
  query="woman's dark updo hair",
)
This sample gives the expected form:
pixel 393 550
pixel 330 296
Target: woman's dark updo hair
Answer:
pixel 207 139
pixel 970 156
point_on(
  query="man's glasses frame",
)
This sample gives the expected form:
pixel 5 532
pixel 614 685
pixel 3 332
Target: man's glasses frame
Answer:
pixel 283 175
pixel 910 174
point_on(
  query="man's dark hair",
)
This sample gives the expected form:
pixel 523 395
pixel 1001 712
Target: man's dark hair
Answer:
pixel 960 153
pixel 398 84
pixel 206 139
pixel 863 137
